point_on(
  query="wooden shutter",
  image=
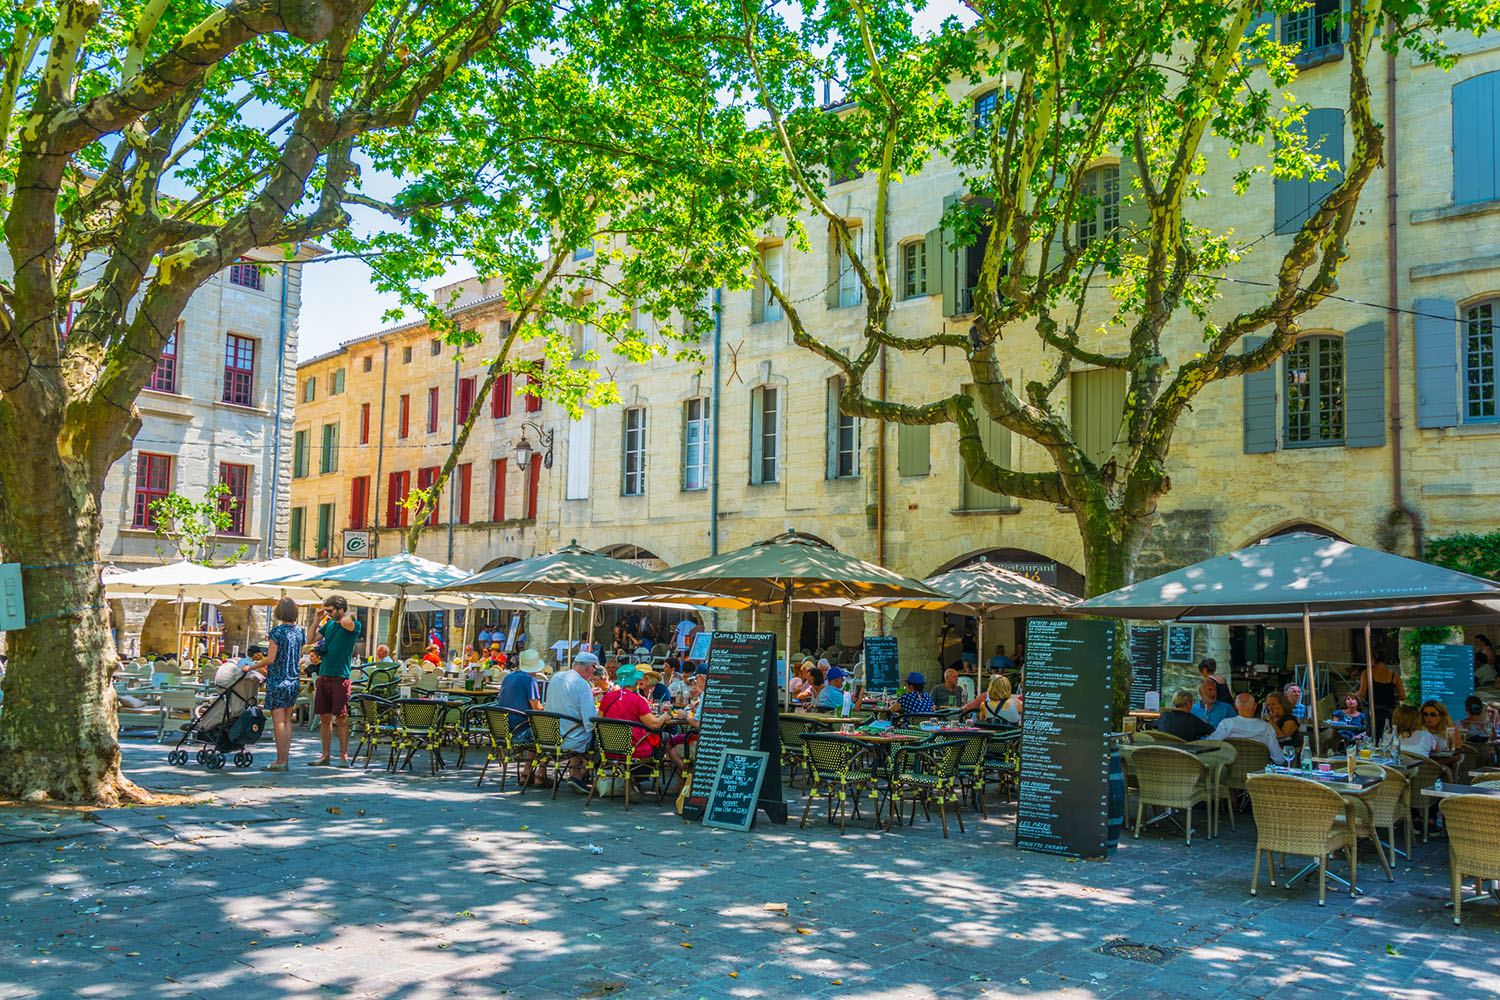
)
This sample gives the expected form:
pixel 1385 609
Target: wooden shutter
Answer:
pixel 465 485
pixel 1260 404
pixel 831 293
pixel 1364 386
pixel 947 260
pixel 1135 214
pixel 996 440
pixel 1096 406
pixel 1261 18
pixel 580 452
pixel 756 441
pixel 1437 362
pixel 1475 128
pixel 831 429
pixel 1298 197
pixel 913 449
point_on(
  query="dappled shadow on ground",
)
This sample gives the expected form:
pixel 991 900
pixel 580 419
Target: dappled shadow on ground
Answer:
pixel 358 883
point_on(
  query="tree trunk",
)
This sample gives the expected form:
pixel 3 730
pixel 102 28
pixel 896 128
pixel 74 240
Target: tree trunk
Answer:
pixel 1111 541
pixel 58 733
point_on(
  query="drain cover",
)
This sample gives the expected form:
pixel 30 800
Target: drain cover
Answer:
pixel 1135 951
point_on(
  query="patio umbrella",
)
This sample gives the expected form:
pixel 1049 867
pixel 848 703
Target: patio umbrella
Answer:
pixel 783 569
pixel 1293 577
pixel 400 576
pixel 572 572
pixel 176 581
pixel 984 590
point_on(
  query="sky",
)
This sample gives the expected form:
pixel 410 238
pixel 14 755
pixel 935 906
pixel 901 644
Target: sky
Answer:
pixel 339 303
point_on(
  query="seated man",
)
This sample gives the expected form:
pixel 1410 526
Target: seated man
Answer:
pixel 383 656
pixel 1245 726
pixel 948 694
pixel 1179 720
pixel 1294 695
pixel 519 692
pixel 569 693
pixel 1208 707
pixel 832 695
pixel 915 699
pixel 1001 661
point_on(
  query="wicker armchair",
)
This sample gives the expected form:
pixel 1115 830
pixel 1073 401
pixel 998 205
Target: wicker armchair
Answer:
pixel 1250 757
pixel 1473 848
pixel 1429 771
pixel 419 726
pixel 830 759
pixel 504 748
pixel 1373 810
pixel 373 722
pixel 1002 759
pixel 613 753
pixel 1159 737
pixel 548 730
pixel 927 773
pixel 1298 816
pixel 1174 779
pixel 1392 806
pixel 793 755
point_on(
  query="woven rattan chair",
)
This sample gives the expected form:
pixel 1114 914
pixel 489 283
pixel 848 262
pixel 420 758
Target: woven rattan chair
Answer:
pixel 1473 846
pixel 418 726
pixel 1250 757
pixel 504 748
pixel 927 773
pixel 793 755
pixel 1298 816
pixel 374 723
pixel 831 759
pixel 1372 811
pixel 971 770
pixel 613 754
pixel 1159 737
pixel 1392 807
pixel 1428 773
pixel 1173 779
pixel 1480 779
pixel 548 729
pixel 1002 760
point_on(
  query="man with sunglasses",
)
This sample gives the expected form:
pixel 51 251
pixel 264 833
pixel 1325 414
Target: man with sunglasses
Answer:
pixel 338 631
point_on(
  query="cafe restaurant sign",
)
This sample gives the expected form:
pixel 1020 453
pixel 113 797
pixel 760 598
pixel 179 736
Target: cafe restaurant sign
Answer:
pixel 1041 572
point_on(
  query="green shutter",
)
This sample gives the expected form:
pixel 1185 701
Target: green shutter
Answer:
pixel 913 449
pixel 946 260
pixel 1261 18
pixel 933 282
pixel 755 439
pixel 1297 198
pixel 1259 415
pixel 1096 408
pixel 1135 214
pixel 996 440
pixel 1364 386
pixel 831 431
pixel 299 454
pixel 758 299
pixel 1437 362
pixel 831 293
pixel 299 519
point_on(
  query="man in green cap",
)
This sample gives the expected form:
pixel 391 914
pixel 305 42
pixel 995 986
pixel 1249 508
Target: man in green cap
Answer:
pixel 338 631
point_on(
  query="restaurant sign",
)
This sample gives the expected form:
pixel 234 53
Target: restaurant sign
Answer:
pixel 1041 572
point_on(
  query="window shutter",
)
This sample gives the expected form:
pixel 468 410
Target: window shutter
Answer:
pixel 1260 404
pixel 1096 409
pixel 1364 386
pixel 1325 129
pixel 831 293
pixel 1437 362
pixel 933 283
pixel 580 450
pixel 946 260
pixel 758 300
pixel 1135 214
pixel 831 431
pixel 913 449
pixel 755 435
pixel 1261 18
pixel 1474 136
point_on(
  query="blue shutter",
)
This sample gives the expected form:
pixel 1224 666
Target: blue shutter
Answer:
pixel 1264 17
pixel 1474 135
pixel 1364 386
pixel 1260 404
pixel 1437 362
pixel 1298 197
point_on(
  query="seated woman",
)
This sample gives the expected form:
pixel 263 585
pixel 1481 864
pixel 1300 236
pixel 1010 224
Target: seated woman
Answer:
pixel 1437 721
pixel 1279 715
pixel 1475 725
pixel 1411 735
pixel 1350 715
pixel 996 704
pixel 433 655
pixel 915 700
pixel 628 701
pixel 808 696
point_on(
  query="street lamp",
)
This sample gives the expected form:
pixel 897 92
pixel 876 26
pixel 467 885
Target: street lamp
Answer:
pixel 523 450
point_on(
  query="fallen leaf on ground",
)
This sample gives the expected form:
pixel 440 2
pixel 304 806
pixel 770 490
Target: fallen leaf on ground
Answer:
pixel 774 907
pixel 336 810
pixel 803 930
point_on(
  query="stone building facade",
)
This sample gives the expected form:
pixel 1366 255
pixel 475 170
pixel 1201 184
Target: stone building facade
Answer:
pixel 1386 404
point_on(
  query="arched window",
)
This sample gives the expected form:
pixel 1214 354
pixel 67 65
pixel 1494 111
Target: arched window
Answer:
pixel 1099 214
pixel 1315 392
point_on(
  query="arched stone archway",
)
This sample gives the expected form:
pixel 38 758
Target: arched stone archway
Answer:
pixel 1033 565
pixel 499 561
pixel 1281 528
pixel 635 555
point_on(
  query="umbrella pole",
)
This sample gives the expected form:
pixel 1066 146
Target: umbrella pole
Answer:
pixel 786 670
pixel 181 657
pixel 1370 683
pixel 463 640
pixel 572 591
pixel 979 659
pixel 1312 679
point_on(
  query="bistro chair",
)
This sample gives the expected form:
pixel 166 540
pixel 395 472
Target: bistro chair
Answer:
pixel 548 729
pixel 971 769
pixel 927 773
pixel 1392 806
pixel 1250 757
pixel 831 759
pixel 1002 759
pixel 1368 807
pixel 613 751
pixel 1159 737
pixel 419 726
pixel 1219 759
pixel 1429 772
pixel 1173 779
pixel 175 705
pixel 793 754
pixel 372 716
pixel 504 747
pixel 1473 847
pixel 1298 816
pixel 470 730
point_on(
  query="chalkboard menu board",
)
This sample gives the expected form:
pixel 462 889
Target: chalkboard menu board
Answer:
pixel 733 796
pixel 1448 676
pixel 738 712
pixel 1063 806
pixel 882 666
pixel 1179 643
pixel 1145 643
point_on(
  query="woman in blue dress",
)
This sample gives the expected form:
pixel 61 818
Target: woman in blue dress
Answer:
pixel 283 680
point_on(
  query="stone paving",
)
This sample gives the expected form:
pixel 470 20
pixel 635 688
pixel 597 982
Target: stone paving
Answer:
pixel 354 883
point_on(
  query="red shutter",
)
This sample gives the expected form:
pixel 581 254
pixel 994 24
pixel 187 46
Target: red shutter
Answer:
pixel 432 410
pixel 465 474
pixel 400 486
pixel 405 416
pixel 500 397
pixel 425 480
pixel 534 402
pixel 465 398
pixel 497 485
pixel 534 473
pixel 359 500
pixel 364 423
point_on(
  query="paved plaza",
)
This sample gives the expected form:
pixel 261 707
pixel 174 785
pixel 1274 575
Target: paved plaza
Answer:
pixel 319 883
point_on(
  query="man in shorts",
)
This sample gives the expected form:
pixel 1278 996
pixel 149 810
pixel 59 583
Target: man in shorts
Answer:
pixel 338 630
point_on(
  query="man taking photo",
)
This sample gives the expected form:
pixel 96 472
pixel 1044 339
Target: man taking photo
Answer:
pixel 338 630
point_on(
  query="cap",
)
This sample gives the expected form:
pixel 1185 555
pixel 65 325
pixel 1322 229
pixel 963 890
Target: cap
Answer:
pixel 835 673
pixel 586 657
pixel 916 677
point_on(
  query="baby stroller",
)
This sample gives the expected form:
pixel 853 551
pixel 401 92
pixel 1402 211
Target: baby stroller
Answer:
pixel 232 722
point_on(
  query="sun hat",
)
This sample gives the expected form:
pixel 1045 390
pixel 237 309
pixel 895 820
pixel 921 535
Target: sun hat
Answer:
pixel 916 677
pixel 628 675
pixel 650 675
pixel 531 661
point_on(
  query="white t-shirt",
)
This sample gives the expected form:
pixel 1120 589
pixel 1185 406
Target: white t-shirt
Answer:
pixel 1421 742
pixel 1241 728
pixel 683 628
pixel 569 694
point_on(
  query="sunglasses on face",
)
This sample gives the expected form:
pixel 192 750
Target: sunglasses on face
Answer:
pixel 1430 713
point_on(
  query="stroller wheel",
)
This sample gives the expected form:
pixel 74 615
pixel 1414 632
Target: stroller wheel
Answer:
pixel 177 758
pixel 203 756
pixel 215 761
pixel 242 760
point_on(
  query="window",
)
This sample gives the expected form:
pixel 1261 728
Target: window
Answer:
pixel 765 438
pixel 763 307
pixel 1476 176
pixel 1297 198
pixel 465 481
pixel 432 410
pixel 298 532
pixel 584 252
pixel 325 530
pixel 153 481
pixel 329 461
pixel 500 394
pixel 239 370
pixel 695 444
pixel 309 389
pixel 465 398
pixel 1312 27
pixel 1315 392
pixel 246 275
pixel 996 441
pixel 634 464
pixel 534 399
pixel 364 423
pixel 914 269
pixel 235 502
pixel 406 355
pixel 1099 209
pixel 403 416
pixel 299 454
pixel 436 346
pixel 844 288
pixel 359 502
pixel 367 363
pixel 1479 362
pixel 398 488
pixel 913 449
pixel 497 490
pixel 1096 406
pixel 426 479
pixel 984 109
pixel 164 377
pixel 843 436
pixel 337 388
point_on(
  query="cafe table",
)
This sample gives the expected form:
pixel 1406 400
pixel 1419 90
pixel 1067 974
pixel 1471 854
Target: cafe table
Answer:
pixel 1450 789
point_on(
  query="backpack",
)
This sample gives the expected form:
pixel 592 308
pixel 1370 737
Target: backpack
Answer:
pixel 247 726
